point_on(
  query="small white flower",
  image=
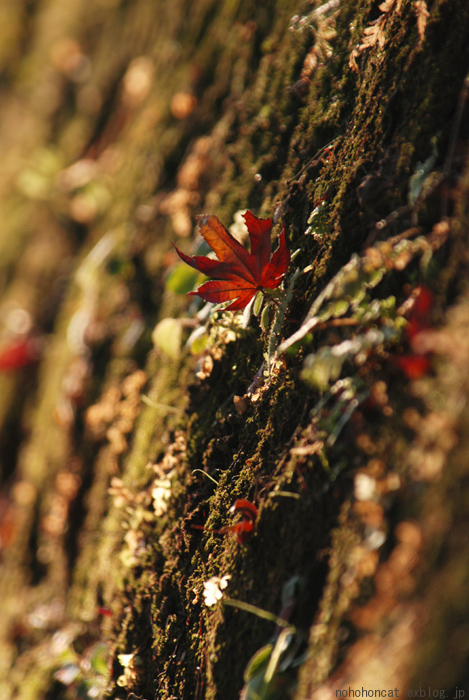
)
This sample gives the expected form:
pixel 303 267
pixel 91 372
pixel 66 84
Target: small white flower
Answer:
pixel 375 539
pixel 213 589
pixel 125 659
pixel 161 493
pixel 364 487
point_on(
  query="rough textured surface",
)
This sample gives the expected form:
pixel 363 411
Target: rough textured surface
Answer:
pixel 120 460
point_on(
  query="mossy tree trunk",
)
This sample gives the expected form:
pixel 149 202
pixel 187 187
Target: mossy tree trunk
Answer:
pixel 121 459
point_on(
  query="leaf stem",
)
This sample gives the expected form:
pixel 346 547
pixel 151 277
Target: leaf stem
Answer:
pixel 201 471
pixel 264 614
pixel 160 406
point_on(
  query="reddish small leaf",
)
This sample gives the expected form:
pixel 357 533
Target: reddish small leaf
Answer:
pixel 103 610
pixel 414 366
pixel 19 354
pixel 243 529
pixel 247 508
pixel 419 316
pixel 249 515
pixel 238 275
pixel 8 525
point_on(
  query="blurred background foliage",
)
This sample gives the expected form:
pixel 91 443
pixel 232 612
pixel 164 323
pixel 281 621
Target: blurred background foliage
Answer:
pixel 123 447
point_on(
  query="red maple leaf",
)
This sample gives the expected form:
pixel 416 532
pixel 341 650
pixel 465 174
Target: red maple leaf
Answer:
pixel 237 274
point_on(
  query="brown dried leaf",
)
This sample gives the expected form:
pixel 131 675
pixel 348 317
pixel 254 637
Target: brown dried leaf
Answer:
pixel 352 62
pixel 373 34
pixel 241 403
pixel 423 14
pixel 310 63
pixel 386 6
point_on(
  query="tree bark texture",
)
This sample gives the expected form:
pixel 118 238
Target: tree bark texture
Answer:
pixel 124 449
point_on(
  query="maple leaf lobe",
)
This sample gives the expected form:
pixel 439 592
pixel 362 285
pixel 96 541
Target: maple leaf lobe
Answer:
pixel 237 274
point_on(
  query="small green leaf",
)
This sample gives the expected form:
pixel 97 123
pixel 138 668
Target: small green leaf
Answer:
pixel 99 659
pixel 296 347
pixel 340 308
pixel 258 303
pixel 321 368
pixel 199 344
pixel 258 663
pixel 375 277
pixel 265 317
pixel 167 336
pixel 182 279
